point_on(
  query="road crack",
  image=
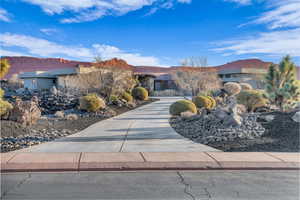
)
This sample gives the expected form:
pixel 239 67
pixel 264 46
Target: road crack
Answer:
pixel 17 186
pixel 187 186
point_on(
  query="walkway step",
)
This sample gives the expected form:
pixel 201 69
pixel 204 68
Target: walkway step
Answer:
pixel 82 161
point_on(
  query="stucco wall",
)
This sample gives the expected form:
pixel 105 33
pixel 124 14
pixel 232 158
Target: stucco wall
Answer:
pixel 38 83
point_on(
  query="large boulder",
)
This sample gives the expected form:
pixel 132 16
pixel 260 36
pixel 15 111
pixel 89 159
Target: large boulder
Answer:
pixel 296 117
pixel 25 112
pixel 54 91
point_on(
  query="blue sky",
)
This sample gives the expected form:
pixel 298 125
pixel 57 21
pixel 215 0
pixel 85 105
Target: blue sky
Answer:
pixel 151 32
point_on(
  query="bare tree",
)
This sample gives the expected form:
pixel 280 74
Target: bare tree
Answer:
pixel 120 80
pixel 85 82
pixel 106 81
pixel 98 58
pixel 194 61
pixel 196 81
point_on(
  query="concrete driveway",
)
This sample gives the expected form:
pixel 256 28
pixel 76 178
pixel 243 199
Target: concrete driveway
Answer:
pixel 145 129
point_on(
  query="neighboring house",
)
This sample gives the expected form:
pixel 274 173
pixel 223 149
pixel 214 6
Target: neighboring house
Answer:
pixel 250 71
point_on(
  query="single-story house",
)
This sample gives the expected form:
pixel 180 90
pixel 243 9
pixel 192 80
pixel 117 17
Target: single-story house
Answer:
pixel 38 80
pixel 44 73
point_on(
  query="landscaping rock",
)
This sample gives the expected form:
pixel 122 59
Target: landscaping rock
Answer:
pixel 25 112
pixel 209 128
pixel 59 114
pixel 54 91
pixel 296 117
pixel 187 114
pixel 72 117
pixel 266 118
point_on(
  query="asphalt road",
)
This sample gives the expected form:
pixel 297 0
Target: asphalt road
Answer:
pixel 172 185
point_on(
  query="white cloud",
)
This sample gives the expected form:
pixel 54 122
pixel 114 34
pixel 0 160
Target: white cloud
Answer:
pixel 107 52
pixel 4 15
pixel 48 31
pixel 45 48
pixel 40 46
pixel 90 10
pixel 11 53
pixel 274 43
pixel 283 20
pixel 282 14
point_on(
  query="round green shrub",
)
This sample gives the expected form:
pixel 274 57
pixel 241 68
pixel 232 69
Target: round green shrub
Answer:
pixel 113 99
pixel 5 107
pixel 91 103
pixel 251 99
pixel 202 102
pixel 213 102
pixel 140 93
pixel 246 86
pixel 232 88
pixel 1 92
pixel 127 96
pixel 182 106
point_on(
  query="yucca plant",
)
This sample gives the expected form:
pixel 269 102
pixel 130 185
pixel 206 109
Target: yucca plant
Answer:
pixel 281 88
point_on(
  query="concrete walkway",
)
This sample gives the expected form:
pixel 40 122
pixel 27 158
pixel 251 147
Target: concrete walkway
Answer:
pixel 145 129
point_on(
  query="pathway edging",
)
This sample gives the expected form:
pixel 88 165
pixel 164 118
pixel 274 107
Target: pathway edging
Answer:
pixel 114 161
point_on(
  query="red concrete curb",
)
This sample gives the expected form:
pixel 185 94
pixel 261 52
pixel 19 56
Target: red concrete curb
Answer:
pixel 85 161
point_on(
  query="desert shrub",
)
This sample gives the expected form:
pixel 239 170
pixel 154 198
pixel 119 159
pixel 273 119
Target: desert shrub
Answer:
pixel 213 102
pixel 182 106
pixel 251 99
pixel 246 86
pixel 140 93
pixel 71 117
pixel 202 102
pixel 59 114
pixel 232 88
pixel 91 102
pixel 127 96
pixel 4 67
pixel 194 80
pixel 1 92
pixel 207 93
pixel 113 99
pixel 5 107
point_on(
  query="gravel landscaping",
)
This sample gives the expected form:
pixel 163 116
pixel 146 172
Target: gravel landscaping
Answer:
pixel 16 136
pixel 271 132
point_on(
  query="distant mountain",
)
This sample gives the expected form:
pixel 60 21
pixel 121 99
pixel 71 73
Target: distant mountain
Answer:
pixel 21 64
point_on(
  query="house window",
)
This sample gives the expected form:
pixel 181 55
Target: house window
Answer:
pixel 34 84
